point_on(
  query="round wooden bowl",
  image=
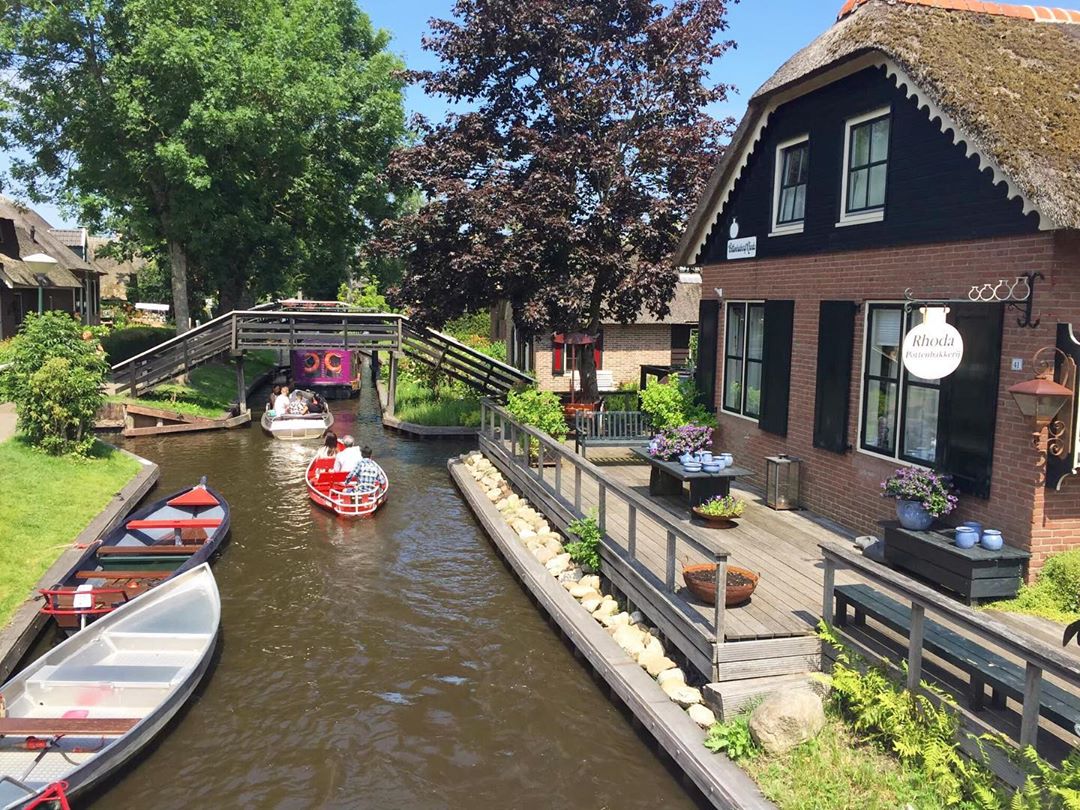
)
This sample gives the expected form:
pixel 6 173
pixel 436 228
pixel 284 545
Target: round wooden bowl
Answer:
pixel 713 521
pixel 698 581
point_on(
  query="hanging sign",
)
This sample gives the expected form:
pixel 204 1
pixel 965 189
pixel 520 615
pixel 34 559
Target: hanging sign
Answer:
pixel 745 248
pixel 933 349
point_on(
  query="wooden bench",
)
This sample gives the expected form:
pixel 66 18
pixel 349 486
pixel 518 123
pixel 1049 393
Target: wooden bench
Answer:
pixel 187 523
pixel 983 667
pixel 135 551
pixel 58 726
pixel 118 574
pixel 610 429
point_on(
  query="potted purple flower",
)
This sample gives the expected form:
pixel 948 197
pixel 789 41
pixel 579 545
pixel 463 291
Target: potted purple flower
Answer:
pixel 921 496
pixel 673 443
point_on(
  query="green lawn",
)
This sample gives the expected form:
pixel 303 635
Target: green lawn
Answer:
pixel 420 405
pixel 210 389
pixel 44 504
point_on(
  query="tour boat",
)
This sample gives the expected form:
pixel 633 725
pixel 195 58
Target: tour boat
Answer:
pixel 327 489
pixel 295 427
pixel 89 705
pixel 166 538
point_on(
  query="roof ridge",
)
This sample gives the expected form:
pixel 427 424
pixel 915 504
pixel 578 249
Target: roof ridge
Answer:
pixel 1025 12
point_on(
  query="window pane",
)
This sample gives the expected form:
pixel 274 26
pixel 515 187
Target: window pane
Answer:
pixel 735 317
pixel 857 190
pixel 733 384
pixel 757 332
pixel 791 166
pixel 915 318
pixel 884 344
pixel 787 204
pixel 879 418
pixel 804 162
pixel 879 147
pixel 753 389
pixel 875 197
pixel 800 203
pixel 920 423
pixel 860 145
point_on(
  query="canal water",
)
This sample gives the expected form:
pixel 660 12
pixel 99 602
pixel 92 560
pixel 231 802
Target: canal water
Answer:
pixel 387 663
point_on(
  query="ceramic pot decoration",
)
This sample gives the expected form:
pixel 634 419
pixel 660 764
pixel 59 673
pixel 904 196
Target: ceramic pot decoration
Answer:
pixel 974 525
pixel 727 458
pixel 992 540
pixel 966 537
pixel 711 467
pixel 913 515
pixel 704 456
pixel 686 458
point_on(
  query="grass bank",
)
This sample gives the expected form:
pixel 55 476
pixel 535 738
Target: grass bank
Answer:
pixel 210 389
pixel 44 504
pixel 446 407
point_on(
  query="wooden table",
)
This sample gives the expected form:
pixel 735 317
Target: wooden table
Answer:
pixel 667 477
pixel 973 573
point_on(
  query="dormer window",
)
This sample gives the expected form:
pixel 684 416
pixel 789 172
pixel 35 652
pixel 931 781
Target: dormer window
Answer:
pixel 866 163
pixel 789 186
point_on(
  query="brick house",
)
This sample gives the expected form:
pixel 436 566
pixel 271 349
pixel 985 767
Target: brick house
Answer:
pixel 622 349
pixel 69 283
pixel 910 158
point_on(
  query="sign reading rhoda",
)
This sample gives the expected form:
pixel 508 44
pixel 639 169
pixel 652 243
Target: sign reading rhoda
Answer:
pixel 933 349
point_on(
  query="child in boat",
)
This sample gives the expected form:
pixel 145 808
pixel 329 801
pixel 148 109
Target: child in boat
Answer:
pixel 329 448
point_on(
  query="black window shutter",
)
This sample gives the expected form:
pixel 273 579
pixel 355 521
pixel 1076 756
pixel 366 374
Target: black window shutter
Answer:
pixel 776 366
pixel 708 332
pixel 967 410
pixel 832 398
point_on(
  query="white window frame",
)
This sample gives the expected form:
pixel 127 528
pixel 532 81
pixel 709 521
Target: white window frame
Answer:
pixel 861 217
pixel 901 393
pixel 789 228
pixel 722 358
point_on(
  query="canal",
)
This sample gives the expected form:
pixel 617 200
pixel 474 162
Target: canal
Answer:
pixel 387 663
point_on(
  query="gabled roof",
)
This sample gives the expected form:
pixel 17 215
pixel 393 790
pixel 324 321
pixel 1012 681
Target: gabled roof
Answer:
pixel 1005 78
pixel 32 236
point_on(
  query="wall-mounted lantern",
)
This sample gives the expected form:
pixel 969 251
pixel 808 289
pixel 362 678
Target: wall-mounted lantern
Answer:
pixel 1043 397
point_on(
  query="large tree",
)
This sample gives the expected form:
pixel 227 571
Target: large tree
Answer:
pixel 564 185
pixel 244 139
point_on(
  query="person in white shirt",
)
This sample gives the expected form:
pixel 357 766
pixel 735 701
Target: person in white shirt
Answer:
pixel 281 404
pixel 347 460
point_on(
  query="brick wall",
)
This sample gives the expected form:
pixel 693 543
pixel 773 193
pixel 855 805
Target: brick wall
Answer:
pixel 845 487
pixel 626 349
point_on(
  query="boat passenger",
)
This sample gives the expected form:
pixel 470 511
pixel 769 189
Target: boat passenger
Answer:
pixel 347 459
pixel 315 406
pixel 275 392
pixel 281 401
pixel 367 475
pixel 297 405
pixel 329 448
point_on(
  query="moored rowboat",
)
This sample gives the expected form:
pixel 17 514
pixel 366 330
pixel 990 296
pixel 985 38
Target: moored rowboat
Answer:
pixel 327 489
pixel 166 538
pixel 88 706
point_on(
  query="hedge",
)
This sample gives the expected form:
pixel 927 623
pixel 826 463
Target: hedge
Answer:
pixel 120 344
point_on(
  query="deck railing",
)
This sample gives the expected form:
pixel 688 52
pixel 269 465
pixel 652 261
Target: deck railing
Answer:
pixel 528 449
pixel 1038 658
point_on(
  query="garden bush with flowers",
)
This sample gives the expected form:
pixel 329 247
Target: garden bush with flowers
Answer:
pixel 933 491
pixel 674 442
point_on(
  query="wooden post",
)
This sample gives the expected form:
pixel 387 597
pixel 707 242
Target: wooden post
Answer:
pixel 391 394
pixel 540 461
pixel 720 596
pixel 915 647
pixel 669 562
pixel 558 476
pixel 577 489
pixel 1029 724
pixel 602 506
pixel 241 385
pixel 631 533
pixel 827 598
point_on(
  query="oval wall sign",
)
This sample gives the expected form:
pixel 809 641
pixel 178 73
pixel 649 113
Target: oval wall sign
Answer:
pixel 933 349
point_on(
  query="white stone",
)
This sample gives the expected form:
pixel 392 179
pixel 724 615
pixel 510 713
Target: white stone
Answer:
pixel 655 664
pixel 654 647
pixel 616 620
pixel 571 575
pixel 592 603
pixel 503 505
pixel 702 715
pixel 525 534
pixel 542 527
pixel 628 638
pixel 685 696
pixel 494 495
pixel 543 555
pixel 580 591
pixel 671 676
pixel 592 580
pixel 787 719
pixel 605 608
pixel 557 564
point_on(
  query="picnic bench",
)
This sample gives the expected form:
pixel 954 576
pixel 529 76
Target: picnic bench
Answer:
pixel 667 477
pixel 610 429
pixel 982 667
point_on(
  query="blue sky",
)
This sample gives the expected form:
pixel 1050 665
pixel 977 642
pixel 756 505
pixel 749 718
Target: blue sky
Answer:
pixel 767 33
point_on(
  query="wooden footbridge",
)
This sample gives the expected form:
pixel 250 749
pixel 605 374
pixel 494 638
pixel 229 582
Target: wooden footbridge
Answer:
pixel 298 325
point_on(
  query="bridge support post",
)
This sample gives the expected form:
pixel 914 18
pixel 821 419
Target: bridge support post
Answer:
pixel 241 384
pixel 391 393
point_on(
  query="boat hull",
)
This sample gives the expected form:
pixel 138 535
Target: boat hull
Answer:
pixel 297 428
pixel 325 489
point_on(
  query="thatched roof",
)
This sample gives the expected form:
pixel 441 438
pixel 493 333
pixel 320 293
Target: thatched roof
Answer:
pixel 1010 83
pixel 32 236
pixel 684 304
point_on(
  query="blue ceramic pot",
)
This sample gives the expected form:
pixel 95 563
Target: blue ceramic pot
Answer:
pixel 974 525
pixel 687 458
pixel 992 540
pixel 913 515
pixel 966 537
pixel 705 456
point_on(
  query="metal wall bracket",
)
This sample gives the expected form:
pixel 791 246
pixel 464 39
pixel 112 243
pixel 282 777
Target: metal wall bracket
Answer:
pixel 1024 306
pixel 1018 294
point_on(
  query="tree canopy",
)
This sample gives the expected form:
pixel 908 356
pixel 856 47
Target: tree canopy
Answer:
pixel 564 185
pixel 246 140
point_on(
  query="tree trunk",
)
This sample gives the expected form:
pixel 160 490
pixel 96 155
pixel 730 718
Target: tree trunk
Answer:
pixel 233 294
pixel 587 367
pixel 179 262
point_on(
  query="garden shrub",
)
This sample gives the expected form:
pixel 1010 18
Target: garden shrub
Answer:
pixel 122 344
pixel 673 404
pixel 586 549
pixel 56 380
pixel 1055 594
pixel 539 409
pixel 625 399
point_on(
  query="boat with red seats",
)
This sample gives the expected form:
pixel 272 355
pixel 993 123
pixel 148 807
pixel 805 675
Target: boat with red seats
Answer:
pixel 328 489
pixel 163 539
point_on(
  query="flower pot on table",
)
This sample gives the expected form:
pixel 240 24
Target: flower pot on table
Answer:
pixel 913 515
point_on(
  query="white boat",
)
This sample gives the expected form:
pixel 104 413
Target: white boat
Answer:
pixel 295 427
pixel 92 703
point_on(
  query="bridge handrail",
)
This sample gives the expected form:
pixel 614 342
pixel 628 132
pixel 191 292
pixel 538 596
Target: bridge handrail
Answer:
pixel 174 341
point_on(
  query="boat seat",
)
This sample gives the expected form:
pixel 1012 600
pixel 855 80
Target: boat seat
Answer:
pixel 332 477
pixel 175 523
pixel 119 674
pixel 55 726
pixel 118 574
pixel 135 551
